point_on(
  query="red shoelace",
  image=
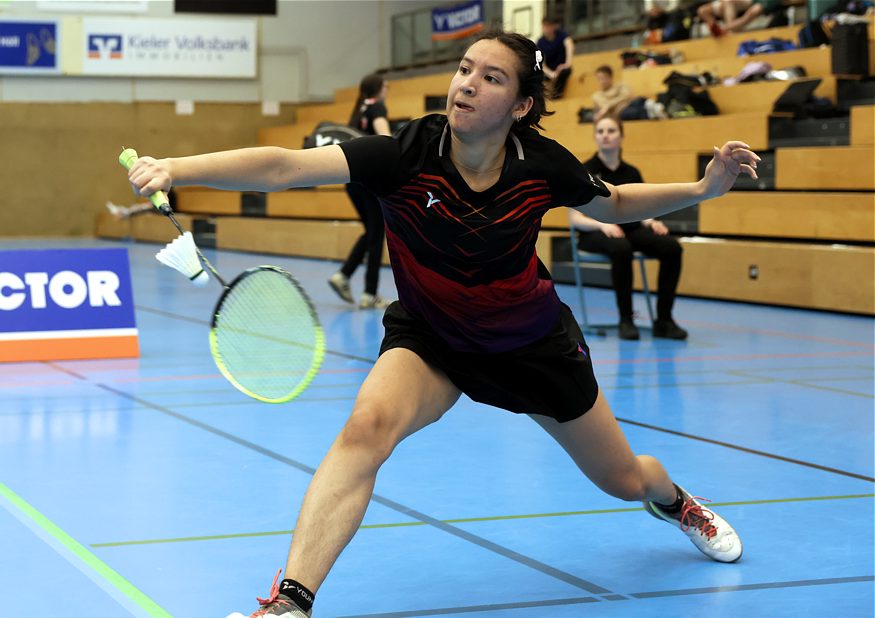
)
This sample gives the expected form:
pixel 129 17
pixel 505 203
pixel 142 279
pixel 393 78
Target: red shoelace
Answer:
pixel 274 593
pixel 694 515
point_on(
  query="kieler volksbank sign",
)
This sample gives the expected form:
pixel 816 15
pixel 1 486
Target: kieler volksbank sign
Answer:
pixel 170 47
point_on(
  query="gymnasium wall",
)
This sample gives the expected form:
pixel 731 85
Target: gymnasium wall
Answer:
pixel 60 135
pixel 58 161
pixel 306 51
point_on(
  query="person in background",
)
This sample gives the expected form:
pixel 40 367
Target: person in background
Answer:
pixel 735 14
pixel 126 212
pixel 610 99
pixel 369 115
pixel 558 50
pixel 621 241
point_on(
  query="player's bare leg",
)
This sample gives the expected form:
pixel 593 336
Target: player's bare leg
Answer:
pixel 597 445
pixel 386 411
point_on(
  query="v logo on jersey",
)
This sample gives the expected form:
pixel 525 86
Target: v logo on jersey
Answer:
pixel 431 200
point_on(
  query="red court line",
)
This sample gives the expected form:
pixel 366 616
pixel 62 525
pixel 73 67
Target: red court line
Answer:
pixel 21 369
pixel 167 378
pixel 608 361
pixel 213 376
pixel 37 383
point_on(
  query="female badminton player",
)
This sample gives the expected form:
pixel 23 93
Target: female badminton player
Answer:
pixel 463 196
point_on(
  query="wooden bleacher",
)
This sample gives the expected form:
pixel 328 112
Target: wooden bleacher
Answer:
pixel 863 125
pixel 787 237
pixel 826 216
pixel 851 167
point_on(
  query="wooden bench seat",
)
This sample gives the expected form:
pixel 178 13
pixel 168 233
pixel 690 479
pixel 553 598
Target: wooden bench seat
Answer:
pixel 817 276
pixel 863 125
pixel 682 135
pixel 323 203
pixel 406 106
pixel 285 136
pixel 811 276
pixel 297 237
pixel 761 96
pixel 148 227
pixel 205 201
pixel 791 214
pixel 848 168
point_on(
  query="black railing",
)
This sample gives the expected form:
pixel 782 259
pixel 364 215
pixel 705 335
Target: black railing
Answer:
pixel 413 46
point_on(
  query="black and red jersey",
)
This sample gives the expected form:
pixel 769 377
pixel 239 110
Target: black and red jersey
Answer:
pixel 464 261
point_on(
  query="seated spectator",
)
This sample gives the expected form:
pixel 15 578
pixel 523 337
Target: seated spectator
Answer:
pixel 558 50
pixel 611 99
pixel 621 241
pixel 126 212
pixel 735 14
pixel 667 22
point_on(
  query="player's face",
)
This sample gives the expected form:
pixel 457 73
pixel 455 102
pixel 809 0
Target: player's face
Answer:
pixel 484 93
pixel 607 135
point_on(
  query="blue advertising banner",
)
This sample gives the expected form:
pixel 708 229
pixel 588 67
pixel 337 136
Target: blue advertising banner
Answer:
pixel 457 22
pixel 29 47
pixel 66 303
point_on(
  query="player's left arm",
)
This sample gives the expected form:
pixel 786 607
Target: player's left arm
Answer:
pixel 636 202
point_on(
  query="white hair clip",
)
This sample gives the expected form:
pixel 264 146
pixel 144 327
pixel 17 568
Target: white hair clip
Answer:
pixel 539 57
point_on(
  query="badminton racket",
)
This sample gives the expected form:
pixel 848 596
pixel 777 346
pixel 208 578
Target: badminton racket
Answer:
pixel 265 335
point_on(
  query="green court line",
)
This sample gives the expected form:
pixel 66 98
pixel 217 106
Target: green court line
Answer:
pixel 467 520
pixel 830 389
pixel 102 569
pixel 808 383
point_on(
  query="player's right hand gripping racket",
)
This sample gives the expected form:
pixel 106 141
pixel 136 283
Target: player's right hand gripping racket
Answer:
pixel 265 336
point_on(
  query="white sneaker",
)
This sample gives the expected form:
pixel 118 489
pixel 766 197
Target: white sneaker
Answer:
pixel 116 211
pixel 340 284
pixel 706 529
pixel 281 607
pixel 372 301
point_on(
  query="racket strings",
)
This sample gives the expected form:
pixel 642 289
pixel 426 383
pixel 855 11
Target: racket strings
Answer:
pixel 266 335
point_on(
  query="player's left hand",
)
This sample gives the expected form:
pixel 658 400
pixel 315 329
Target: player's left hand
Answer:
pixel 732 159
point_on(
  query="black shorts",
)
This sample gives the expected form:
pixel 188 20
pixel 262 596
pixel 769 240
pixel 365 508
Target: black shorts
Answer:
pixel 552 376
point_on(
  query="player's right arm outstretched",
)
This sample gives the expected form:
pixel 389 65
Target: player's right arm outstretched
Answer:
pixel 266 168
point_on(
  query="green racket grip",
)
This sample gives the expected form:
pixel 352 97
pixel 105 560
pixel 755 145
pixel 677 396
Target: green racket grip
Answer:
pixel 159 199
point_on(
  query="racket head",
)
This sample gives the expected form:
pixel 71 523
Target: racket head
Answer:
pixel 265 335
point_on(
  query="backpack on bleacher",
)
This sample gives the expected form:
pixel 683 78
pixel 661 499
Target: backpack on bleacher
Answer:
pixel 677 25
pixel 686 96
pixel 328 133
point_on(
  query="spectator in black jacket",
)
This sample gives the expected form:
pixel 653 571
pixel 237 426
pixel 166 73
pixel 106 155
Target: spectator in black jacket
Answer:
pixel 621 241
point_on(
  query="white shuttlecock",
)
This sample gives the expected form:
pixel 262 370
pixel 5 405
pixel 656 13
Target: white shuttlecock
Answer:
pixel 181 254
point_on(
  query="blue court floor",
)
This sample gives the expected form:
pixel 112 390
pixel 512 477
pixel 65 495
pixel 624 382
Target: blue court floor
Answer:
pixel 150 487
